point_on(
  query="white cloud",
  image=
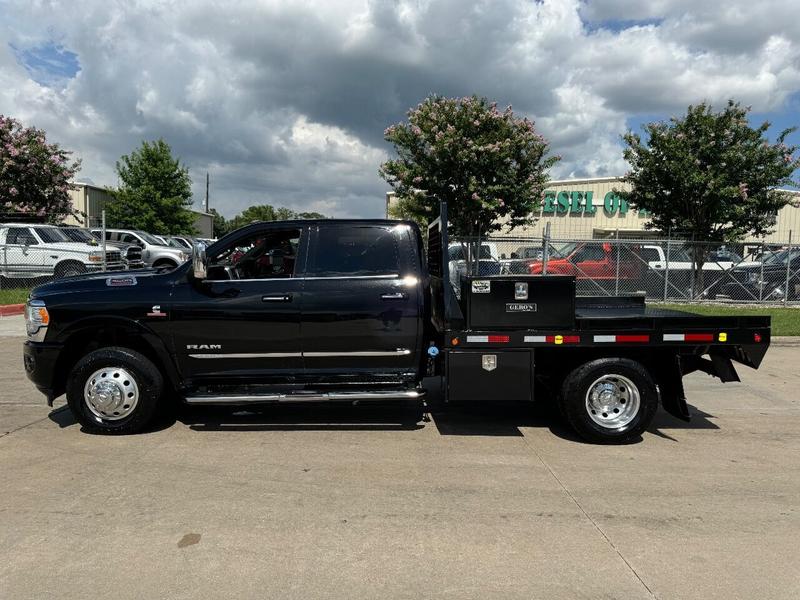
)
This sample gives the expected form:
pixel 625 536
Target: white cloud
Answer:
pixel 286 102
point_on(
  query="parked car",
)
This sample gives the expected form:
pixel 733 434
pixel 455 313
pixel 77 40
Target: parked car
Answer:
pixel 677 272
pixel 488 263
pixel 154 252
pixel 754 281
pixel 131 253
pixel 183 241
pixel 35 250
pixel 594 265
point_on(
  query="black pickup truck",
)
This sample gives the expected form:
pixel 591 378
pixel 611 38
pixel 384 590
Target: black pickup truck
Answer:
pixel 356 311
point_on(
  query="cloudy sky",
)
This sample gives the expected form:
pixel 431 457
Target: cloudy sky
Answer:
pixel 285 101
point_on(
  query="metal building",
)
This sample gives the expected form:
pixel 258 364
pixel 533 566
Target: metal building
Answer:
pixel 590 208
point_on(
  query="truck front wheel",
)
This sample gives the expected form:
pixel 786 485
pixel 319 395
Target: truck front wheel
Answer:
pixel 609 400
pixel 114 390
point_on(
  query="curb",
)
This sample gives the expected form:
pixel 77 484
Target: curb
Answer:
pixel 7 310
pixel 790 341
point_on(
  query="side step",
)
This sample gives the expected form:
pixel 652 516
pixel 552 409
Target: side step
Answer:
pixel 337 396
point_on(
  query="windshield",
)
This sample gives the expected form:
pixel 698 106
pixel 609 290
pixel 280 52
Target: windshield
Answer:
pixel 781 257
pixel 79 235
pixel 149 238
pixel 562 250
pixel 174 243
pixel 50 235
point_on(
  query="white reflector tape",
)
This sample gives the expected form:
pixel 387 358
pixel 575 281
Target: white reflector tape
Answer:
pixel 674 337
pixel 536 339
pixel 477 338
pixel 605 338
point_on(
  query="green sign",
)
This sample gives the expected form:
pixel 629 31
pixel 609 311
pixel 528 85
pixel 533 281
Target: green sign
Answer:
pixel 580 203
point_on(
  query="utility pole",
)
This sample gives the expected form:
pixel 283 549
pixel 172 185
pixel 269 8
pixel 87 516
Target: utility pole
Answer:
pixel 206 192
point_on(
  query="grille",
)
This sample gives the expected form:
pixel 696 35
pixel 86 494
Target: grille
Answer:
pixel 113 256
pixel 133 254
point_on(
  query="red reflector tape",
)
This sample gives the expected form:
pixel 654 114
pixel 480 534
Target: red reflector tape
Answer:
pixel 633 338
pixel 498 339
pixel 698 337
pixel 572 339
pixel 489 339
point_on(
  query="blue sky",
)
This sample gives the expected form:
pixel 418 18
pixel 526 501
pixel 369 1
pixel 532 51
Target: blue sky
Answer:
pixel 48 64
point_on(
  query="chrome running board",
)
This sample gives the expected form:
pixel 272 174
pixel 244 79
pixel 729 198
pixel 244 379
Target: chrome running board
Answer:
pixel 333 396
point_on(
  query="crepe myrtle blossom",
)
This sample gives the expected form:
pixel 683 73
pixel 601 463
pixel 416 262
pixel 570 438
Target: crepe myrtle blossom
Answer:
pixel 731 172
pixel 480 161
pixel 35 174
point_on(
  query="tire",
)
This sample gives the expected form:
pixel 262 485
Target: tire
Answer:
pixel 609 400
pixel 69 269
pixel 134 385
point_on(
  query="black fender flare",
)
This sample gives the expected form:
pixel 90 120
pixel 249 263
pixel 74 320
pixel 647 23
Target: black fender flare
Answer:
pixel 166 359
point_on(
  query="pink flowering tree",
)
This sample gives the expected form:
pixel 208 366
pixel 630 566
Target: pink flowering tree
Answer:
pixel 709 176
pixel 34 175
pixel 488 165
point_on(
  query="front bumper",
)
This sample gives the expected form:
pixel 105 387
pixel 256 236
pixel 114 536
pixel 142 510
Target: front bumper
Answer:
pixel 40 361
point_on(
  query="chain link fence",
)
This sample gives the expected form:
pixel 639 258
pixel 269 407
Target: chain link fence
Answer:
pixel 669 270
pixel 33 251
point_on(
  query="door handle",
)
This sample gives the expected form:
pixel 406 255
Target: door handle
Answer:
pixel 394 296
pixel 283 298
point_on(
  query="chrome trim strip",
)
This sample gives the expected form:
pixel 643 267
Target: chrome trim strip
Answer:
pixel 286 279
pixel 398 352
pixel 250 355
pixel 305 397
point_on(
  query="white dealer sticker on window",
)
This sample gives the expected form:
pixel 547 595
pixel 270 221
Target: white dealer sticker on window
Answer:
pixel 481 286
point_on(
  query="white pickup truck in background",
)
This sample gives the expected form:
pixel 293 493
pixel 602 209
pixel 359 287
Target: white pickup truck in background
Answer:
pixel 30 251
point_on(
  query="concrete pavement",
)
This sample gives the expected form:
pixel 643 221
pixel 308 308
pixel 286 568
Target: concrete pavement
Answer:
pixel 309 502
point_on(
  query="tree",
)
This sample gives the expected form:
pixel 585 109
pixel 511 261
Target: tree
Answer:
pixel 34 175
pixel 267 212
pixel 219 225
pixel 155 192
pixel 709 176
pixel 489 166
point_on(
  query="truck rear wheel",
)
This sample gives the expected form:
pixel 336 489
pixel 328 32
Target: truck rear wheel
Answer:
pixel 609 400
pixel 114 390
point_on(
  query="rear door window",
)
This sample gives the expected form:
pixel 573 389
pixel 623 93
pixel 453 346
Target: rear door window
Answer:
pixel 355 252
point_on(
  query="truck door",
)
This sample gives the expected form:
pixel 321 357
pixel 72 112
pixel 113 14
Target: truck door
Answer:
pixel 362 302
pixel 23 256
pixel 592 262
pixel 243 320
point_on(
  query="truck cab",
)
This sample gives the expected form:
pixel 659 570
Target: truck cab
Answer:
pixel 274 312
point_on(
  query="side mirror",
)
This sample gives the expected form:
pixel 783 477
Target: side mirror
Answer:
pixel 199 261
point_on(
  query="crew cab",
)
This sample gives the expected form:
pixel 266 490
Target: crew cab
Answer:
pixel 36 250
pixel 354 311
pixel 154 252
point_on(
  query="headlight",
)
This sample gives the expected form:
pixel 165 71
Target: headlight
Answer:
pixel 752 277
pixel 96 257
pixel 183 256
pixel 36 320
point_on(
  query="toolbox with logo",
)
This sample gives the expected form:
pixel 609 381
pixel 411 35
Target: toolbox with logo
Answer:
pixel 519 301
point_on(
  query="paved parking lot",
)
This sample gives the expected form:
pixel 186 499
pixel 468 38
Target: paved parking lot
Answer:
pixel 348 503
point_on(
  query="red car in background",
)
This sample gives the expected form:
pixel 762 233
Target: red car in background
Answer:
pixel 595 262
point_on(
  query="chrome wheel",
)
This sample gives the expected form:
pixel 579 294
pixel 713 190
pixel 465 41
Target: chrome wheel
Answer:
pixel 111 393
pixel 612 401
